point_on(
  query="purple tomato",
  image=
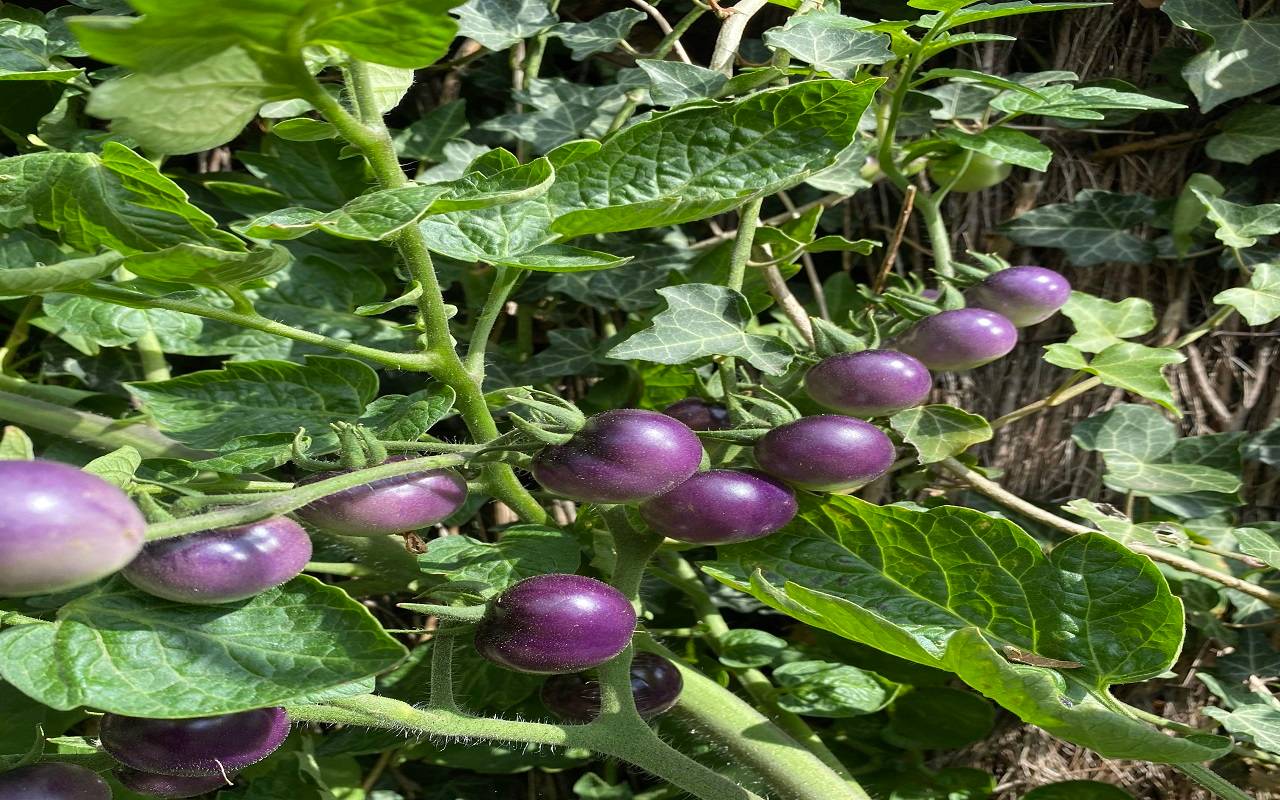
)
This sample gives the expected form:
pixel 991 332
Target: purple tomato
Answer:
pixel 872 383
pixel 194 747
pixel 825 452
pixel 53 781
pixel 620 456
pixel 223 565
pixel 698 414
pixel 391 505
pixel 556 623
pixel 1023 295
pixel 168 787
pixel 655 685
pixel 62 528
pixel 959 340
pixel 721 506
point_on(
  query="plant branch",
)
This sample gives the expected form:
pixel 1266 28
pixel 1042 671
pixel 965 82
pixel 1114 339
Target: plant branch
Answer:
pixel 1211 781
pixel 731 31
pixel 92 429
pixel 504 280
pixel 666 28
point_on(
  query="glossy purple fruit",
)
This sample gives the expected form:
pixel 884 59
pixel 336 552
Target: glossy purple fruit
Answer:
pixel 195 747
pixel 53 781
pixel 872 383
pixel 825 452
pixel 1023 295
pixel 721 506
pixel 61 528
pixel 960 339
pixel 698 414
pixel 655 685
pixel 556 623
pixel 391 505
pixel 224 565
pixel 168 787
pixel 620 456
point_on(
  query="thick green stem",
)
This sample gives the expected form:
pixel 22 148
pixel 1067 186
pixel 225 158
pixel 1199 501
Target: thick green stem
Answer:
pixel 154 367
pixel 442 669
pixel 1211 781
pixel 91 429
pixel 939 237
pixel 748 221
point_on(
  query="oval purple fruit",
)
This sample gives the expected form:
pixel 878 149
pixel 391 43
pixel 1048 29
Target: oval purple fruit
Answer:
pixel 825 452
pixel 391 505
pixel 194 747
pixel 872 383
pixel 958 340
pixel 655 684
pixel 53 781
pixel 224 565
pixel 61 528
pixel 721 506
pixel 168 787
pixel 698 414
pixel 556 623
pixel 1023 295
pixel 620 456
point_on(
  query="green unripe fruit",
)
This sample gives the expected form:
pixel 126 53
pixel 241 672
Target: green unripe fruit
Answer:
pixel 982 172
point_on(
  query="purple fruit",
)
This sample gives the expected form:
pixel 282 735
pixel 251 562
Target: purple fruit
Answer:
pixel 1024 295
pixel 61 528
pixel 959 340
pixel 53 781
pixel 655 685
pixel 872 383
pixel 195 747
pixel 720 507
pixel 698 414
pixel 826 452
pixel 556 623
pixel 930 294
pixel 168 787
pixel 620 456
pixel 224 565
pixel 391 505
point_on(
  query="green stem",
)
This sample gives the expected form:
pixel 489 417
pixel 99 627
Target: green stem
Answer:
pixel 154 367
pixel 939 237
pixel 748 221
pixel 97 431
pixel 504 280
pixel 442 670
pixel 1211 781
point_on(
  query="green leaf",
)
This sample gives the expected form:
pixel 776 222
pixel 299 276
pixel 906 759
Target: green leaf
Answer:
pixel 1003 144
pixel 26 55
pixel 1248 133
pixel 674 82
pixel 486 568
pixel 201 660
pixel 304 129
pixel 116 467
pixel 1101 323
pixel 600 35
pixel 1160 478
pixel 1133 367
pixel 1092 229
pixel 110 325
pixel 747 648
pixel 972 75
pixel 56 275
pixel 425 139
pixel 1259 723
pixel 1141 432
pixel 830 43
pixel 498 24
pixel 207 266
pixel 407 417
pixel 826 689
pixel 704 320
pixel 713 158
pixel 15 445
pixel 1264 445
pixel 948 586
pixel 1078 790
pixel 1115 524
pixel 1259 302
pixel 1259 544
pixel 569 352
pixel 1064 101
pixel 981 12
pixel 940 431
pixel 1240 225
pixel 562 258
pixel 969 718
pixel 370 217
pixel 1243 55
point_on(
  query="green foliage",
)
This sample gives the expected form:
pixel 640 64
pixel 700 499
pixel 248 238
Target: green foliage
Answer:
pixel 939 431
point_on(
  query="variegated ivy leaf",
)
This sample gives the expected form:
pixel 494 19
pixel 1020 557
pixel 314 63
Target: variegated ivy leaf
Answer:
pixel 1259 302
pixel 940 431
pixel 498 24
pixel 831 43
pixel 1101 323
pixel 599 35
pixel 1248 133
pixel 674 82
pixel 1096 227
pixel 1133 367
pixel 1240 225
pixel 1243 56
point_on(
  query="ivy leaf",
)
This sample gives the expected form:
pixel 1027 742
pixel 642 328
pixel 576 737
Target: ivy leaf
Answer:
pixel 600 35
pixel 827 689
pixel 426 138
pixel 1259 722
pixel 940 431
pixel 1114 524
pixel 487 568
pixel 1259 302
pixel 1240 225
pixel 207 266
pixel 295 639
pixel 1010 146
pixel 1259 544
pixel 498 24
pixel 117 467
pixel 981 12
pixel 1064 101
pixel 1248 133
pixel 674 82
pixel 1138 431
pixel 1101 323
pixel 1159 478
pixel 1092 229
pixel 830 43
pixel 703 320
pixel 570 352
pixel 1243 57
pixel 1133 367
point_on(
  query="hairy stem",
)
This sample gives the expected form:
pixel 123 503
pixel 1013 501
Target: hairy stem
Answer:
pixel 1211 781
pixel 504 280
pixel 748 221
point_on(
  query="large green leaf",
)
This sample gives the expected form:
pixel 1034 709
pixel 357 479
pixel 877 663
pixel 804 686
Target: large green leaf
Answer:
pixel 1101 323
pixel 1004 144
pixel 957 589
pixel 830 43
pixel 1064 101
pixel 1094 228
pixel 117 649
pixel 1259 722
pixel 110 325
pixel 1243 56
pixel 1240 225
pixel 1133 367
pixel 940 431
pixel 1259 302
pixel 828 689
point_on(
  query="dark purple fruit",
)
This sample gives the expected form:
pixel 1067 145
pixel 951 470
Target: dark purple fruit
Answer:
pixel 698 414
pixel 872 383
pixel 655 685
pixel 959 340
pixel 61 528
pixel 826 452
pixel 168 787
pixel 53 781
pixel 224 565
pixel 391 505
pixel 556 623
pixel 720 507
pixel 620 456
pixel 1023 295
pixel 195 747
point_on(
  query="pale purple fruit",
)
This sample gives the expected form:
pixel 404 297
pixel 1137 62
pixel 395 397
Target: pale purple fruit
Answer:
pixel 53 781
pixel 1023 295
pixel 720 507
pixel 391 505
pixel 620 456
pixel 698 414
pixel 168 787
pixel 556 623
pixel 656 684
pixel 223 565
pixel 871 383
pixel 825 452
pixel 958 340
pixel 194 747
pixel 62 528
